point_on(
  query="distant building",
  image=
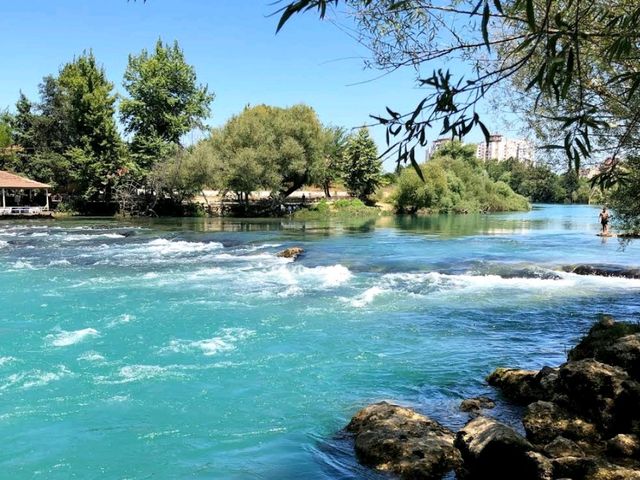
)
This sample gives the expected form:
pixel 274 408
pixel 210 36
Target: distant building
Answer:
pixel 437 145
pixel 500 147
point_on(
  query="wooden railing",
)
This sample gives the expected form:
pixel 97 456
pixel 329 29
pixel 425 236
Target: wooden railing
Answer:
pixel 22 210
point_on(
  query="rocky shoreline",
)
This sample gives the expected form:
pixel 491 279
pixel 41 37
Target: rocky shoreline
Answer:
pixel 582 421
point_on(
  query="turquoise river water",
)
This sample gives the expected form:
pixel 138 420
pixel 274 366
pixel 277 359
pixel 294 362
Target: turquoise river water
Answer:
pixel 186 349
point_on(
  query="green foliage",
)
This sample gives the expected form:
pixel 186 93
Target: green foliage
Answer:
pixel 164 103
pixel 624 198
pixel 343 209
pixel 536 182
pixel 268 148
pixel 362 170
pixel 185 173
pixel 329 169
pixel 454 184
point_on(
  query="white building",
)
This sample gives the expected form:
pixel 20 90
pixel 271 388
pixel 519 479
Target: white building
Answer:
pixel 498 148
pixel 436 145
pixel 502 148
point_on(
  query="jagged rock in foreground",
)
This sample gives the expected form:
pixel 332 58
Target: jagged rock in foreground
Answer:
pixel 586 419
pixel 493 450
pixel 293 252
pixel 603 270
pixel 399 440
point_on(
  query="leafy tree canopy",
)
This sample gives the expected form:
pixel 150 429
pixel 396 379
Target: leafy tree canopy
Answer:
pixel 269 148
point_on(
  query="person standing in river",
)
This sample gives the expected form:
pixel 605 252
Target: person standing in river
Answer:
pixel 604 221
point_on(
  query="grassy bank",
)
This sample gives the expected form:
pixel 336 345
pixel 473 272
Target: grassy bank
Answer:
pixel 343 209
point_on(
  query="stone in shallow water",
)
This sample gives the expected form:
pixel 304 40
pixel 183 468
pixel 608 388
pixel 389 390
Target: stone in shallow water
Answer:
pixel 476 404
pixel 603 270
pixel 399 440
pixel 293 252
pixel 614 343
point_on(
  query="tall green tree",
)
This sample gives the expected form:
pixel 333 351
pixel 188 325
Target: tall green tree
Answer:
pixel 69 138
pixel 329 169
pixel 96 148
pixel 164 101
pixel 362 168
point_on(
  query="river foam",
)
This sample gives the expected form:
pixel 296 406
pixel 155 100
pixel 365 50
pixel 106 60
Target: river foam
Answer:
pixel 65 339
pixel 226 340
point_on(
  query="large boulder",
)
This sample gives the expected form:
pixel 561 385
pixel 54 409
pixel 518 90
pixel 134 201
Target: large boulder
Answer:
pixel 517 385
pixel 492 450
pixel 293 252
pixel 624 445
pixel 591 388
pixel 545 421
pixel 399 440
pixel 573 468
pixel 623 353
pixel 614 343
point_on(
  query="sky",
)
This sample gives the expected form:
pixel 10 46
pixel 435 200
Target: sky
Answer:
pixel 231 43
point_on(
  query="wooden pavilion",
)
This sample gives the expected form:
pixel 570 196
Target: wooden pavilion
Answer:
pixel 19 185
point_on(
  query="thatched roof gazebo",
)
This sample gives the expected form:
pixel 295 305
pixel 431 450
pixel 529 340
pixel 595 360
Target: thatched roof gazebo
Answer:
pixel 10 181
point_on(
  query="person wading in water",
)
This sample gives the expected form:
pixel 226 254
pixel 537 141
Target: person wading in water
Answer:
pixel 604 221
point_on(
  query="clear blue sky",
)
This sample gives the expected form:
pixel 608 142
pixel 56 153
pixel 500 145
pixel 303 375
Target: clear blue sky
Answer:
pixel 231 43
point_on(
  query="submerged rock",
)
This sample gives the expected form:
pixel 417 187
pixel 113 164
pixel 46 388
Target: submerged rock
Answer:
pixel 492 450
pixel 399 440
pixel 293 252
pixel 476 404
pixel 603 270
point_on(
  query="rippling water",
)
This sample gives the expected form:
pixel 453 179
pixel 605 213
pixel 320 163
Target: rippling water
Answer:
pixel 187 349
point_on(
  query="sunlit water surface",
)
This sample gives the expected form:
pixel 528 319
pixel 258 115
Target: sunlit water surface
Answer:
pixel 187 349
